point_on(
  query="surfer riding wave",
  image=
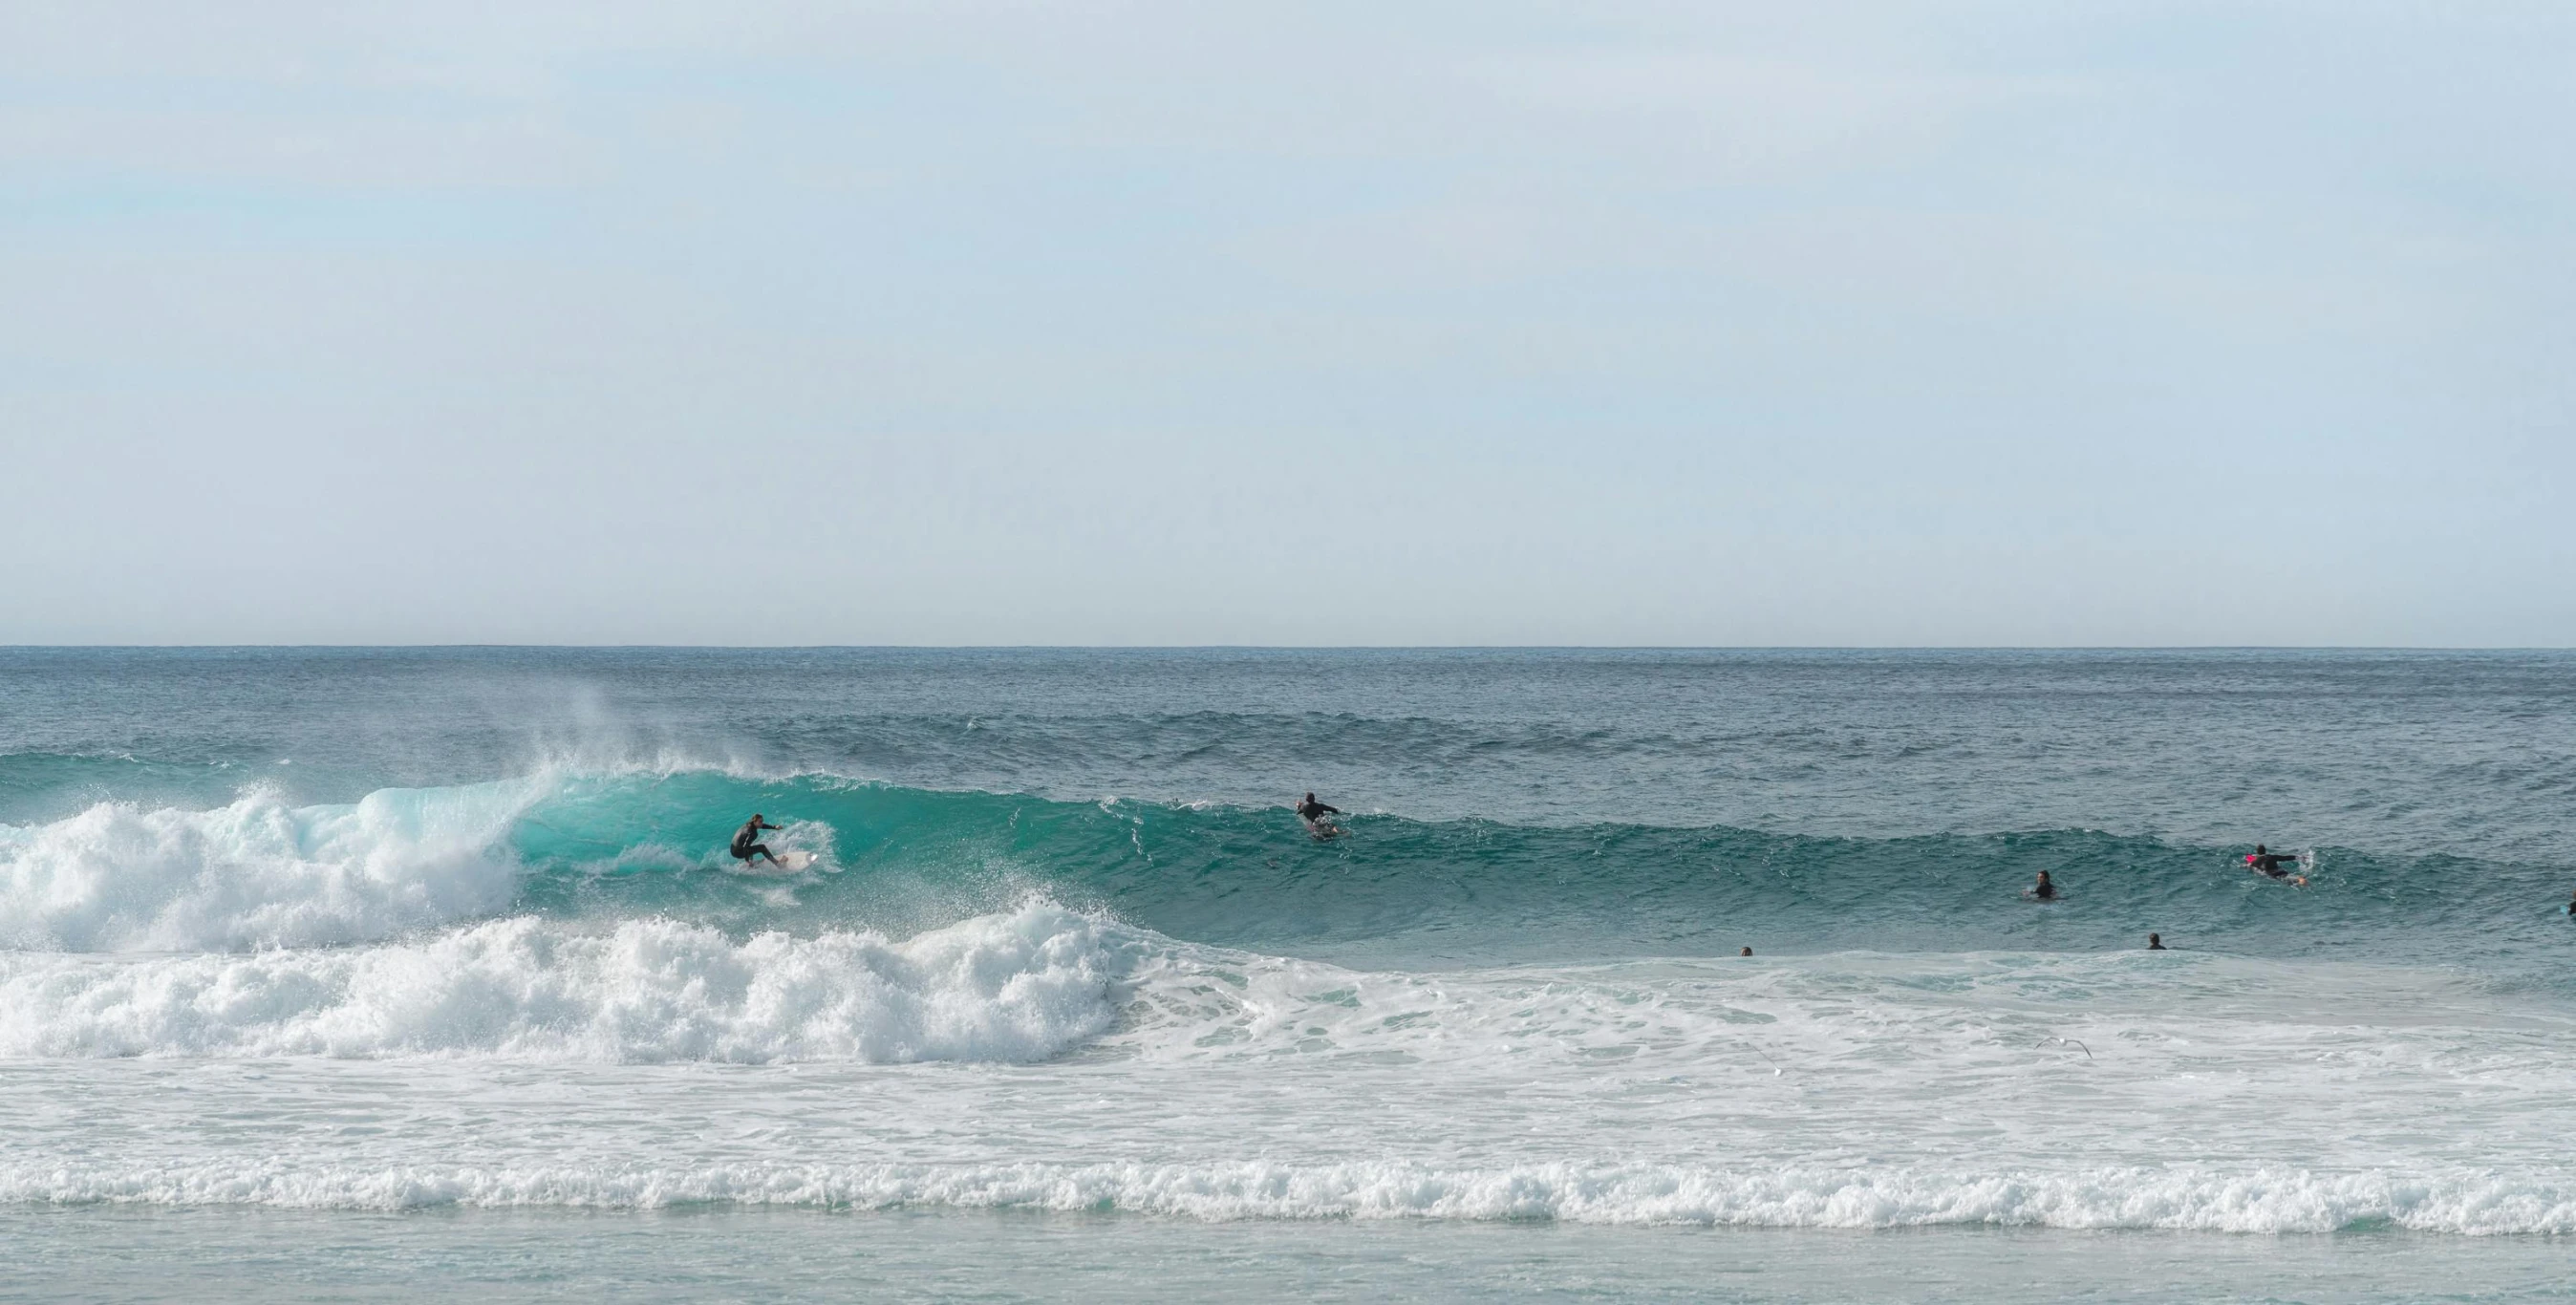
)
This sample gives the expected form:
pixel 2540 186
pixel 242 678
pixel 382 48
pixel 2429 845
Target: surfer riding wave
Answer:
pixel 747 844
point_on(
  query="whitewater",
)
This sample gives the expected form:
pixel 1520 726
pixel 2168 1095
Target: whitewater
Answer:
pixel 297 935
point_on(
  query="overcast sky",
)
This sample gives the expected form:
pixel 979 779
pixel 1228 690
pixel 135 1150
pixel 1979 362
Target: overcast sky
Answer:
pixel 1906 323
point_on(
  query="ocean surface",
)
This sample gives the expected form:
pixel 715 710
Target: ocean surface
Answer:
pixel 375 974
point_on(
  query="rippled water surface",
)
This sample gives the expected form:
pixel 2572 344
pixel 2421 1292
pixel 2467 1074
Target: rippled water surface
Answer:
pixel 412 952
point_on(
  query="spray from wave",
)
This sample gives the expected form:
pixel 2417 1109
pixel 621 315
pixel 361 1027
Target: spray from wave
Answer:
pixel 258 873
pixel 1016 987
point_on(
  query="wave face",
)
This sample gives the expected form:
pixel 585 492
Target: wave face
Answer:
pixel 257 873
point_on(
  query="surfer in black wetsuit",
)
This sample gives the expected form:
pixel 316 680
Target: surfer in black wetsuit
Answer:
pixel 2043 891
pixel 2156 942
pixel 2274 865
pixel 2270 863
pixel 1318 818
pixel 746 840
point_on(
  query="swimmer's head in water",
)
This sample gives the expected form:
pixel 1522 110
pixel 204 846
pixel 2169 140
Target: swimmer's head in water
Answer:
pixel 1746 952
pixel 2155 942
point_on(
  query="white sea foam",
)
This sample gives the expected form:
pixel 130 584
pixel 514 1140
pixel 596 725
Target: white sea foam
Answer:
pixel 2263 1200
pixel 527 1062
pixel 258 873
pixel 1012 987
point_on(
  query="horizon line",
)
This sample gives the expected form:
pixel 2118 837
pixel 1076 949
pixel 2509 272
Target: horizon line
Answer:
pixel 1251 647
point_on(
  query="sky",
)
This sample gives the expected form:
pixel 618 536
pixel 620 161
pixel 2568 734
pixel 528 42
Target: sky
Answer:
pixel 1911 324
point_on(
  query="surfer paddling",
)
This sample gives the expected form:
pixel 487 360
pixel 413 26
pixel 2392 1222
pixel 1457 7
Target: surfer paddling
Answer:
pixel 747 844
pixel 2273 865
pixel 1318 818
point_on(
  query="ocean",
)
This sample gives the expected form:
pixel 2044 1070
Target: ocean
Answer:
pixel 376 974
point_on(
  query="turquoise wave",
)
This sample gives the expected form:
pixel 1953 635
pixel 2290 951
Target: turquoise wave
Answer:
pixel 1395 890
pixel 1480 889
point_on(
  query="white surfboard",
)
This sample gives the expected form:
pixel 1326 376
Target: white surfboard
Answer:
pixel 788 863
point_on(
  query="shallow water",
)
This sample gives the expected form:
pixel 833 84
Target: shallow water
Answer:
pixel 729 1255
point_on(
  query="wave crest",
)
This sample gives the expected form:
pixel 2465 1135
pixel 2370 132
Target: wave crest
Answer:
pixel 1014 987
pixel 2260 1200
pixel 257 872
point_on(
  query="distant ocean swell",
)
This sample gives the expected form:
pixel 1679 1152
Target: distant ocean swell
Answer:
pixel 2256 1200
pixel 259 873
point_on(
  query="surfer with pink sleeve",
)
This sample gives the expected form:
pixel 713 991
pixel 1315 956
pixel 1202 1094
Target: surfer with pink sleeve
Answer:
pixel 2275 865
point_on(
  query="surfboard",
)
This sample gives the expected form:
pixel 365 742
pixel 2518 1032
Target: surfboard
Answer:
pixel 1324 829
pixel 788 863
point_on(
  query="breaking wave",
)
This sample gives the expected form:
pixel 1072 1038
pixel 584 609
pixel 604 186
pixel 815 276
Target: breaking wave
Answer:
pixel 2260 1200
pixel 1017 987
pixel 256 872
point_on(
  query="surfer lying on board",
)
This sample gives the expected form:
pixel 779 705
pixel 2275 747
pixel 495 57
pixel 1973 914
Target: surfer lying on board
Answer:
pixel 746 841
pixel 2271 863
pixel 1313 813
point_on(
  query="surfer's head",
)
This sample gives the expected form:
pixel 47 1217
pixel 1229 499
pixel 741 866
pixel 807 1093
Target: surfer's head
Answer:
pixel 2155 942
pixel 1746 952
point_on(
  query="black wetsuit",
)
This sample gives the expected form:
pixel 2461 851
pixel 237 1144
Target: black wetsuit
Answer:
pixel 2043 892
pixel 1311 812
pixel 2270 863
pixel 746 844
